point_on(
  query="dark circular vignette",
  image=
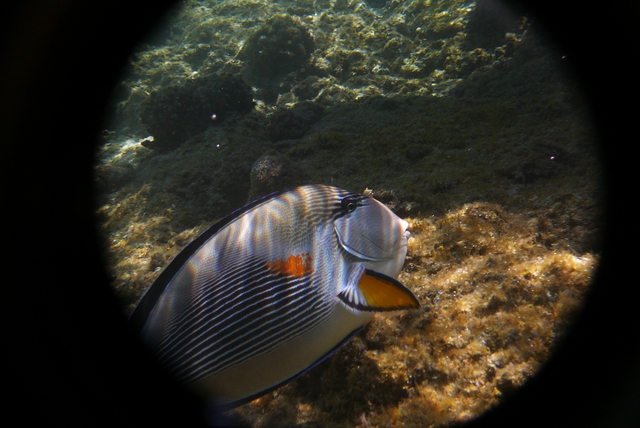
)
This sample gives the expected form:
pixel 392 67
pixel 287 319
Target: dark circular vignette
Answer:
pixel 69 356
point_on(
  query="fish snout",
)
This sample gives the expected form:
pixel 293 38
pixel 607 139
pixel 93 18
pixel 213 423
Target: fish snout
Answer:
pixel 405 230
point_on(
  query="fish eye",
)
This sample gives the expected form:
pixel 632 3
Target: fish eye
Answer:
pixel 349 205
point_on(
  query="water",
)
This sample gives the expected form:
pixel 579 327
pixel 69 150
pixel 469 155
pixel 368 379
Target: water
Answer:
pixel 461 118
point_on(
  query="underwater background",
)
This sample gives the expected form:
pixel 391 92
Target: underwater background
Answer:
pixel 460 116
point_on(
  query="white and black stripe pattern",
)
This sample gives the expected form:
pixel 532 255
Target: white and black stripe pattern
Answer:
pixel 243 321
pixel 206 313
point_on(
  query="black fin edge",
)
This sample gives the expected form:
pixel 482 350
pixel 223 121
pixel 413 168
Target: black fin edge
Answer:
pixel 237 403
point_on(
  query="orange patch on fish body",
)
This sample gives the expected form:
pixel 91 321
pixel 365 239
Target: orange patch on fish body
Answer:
pixel 298 266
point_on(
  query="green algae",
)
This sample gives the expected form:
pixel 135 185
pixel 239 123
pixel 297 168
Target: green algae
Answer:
pixel 356 46
pixel 495 301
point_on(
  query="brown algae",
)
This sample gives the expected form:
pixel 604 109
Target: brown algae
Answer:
pixel 496 299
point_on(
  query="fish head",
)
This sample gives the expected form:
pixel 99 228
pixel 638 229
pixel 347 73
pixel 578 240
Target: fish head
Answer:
pixel 373 233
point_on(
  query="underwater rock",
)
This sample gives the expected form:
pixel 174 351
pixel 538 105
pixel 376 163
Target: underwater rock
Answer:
pixel 488 25
pixel 395 203
pixel 273 172
pixel 541 162
pixel 176 113
pixel 281 46
pixel 110 177
pixel 376 3
pixel 293 123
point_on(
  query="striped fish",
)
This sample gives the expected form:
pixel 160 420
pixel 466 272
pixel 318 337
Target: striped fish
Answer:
pixel 273 289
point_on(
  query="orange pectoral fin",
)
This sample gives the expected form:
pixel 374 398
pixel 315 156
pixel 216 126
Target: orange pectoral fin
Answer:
pixel 379 292
pixel 295 265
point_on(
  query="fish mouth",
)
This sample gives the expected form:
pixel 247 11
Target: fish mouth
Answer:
pixel 405 229
pixel 406 234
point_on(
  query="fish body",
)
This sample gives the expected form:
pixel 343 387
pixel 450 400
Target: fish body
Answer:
pixel 273 289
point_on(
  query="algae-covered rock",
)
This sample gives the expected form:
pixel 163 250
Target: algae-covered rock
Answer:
pixel 273 172
pixel 176 113
pixel 282 45
pixel 294 122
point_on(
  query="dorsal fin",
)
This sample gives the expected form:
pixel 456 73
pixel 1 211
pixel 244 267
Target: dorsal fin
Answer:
pixel 148 301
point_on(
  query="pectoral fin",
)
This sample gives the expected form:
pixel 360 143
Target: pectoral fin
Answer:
pixel 378 292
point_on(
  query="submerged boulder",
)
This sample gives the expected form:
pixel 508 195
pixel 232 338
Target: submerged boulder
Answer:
pixel 281 46
pixel 294 122
pixel 176 113
pixel 272 172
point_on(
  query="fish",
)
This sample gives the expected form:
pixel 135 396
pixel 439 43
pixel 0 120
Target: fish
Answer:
pixel 273 289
